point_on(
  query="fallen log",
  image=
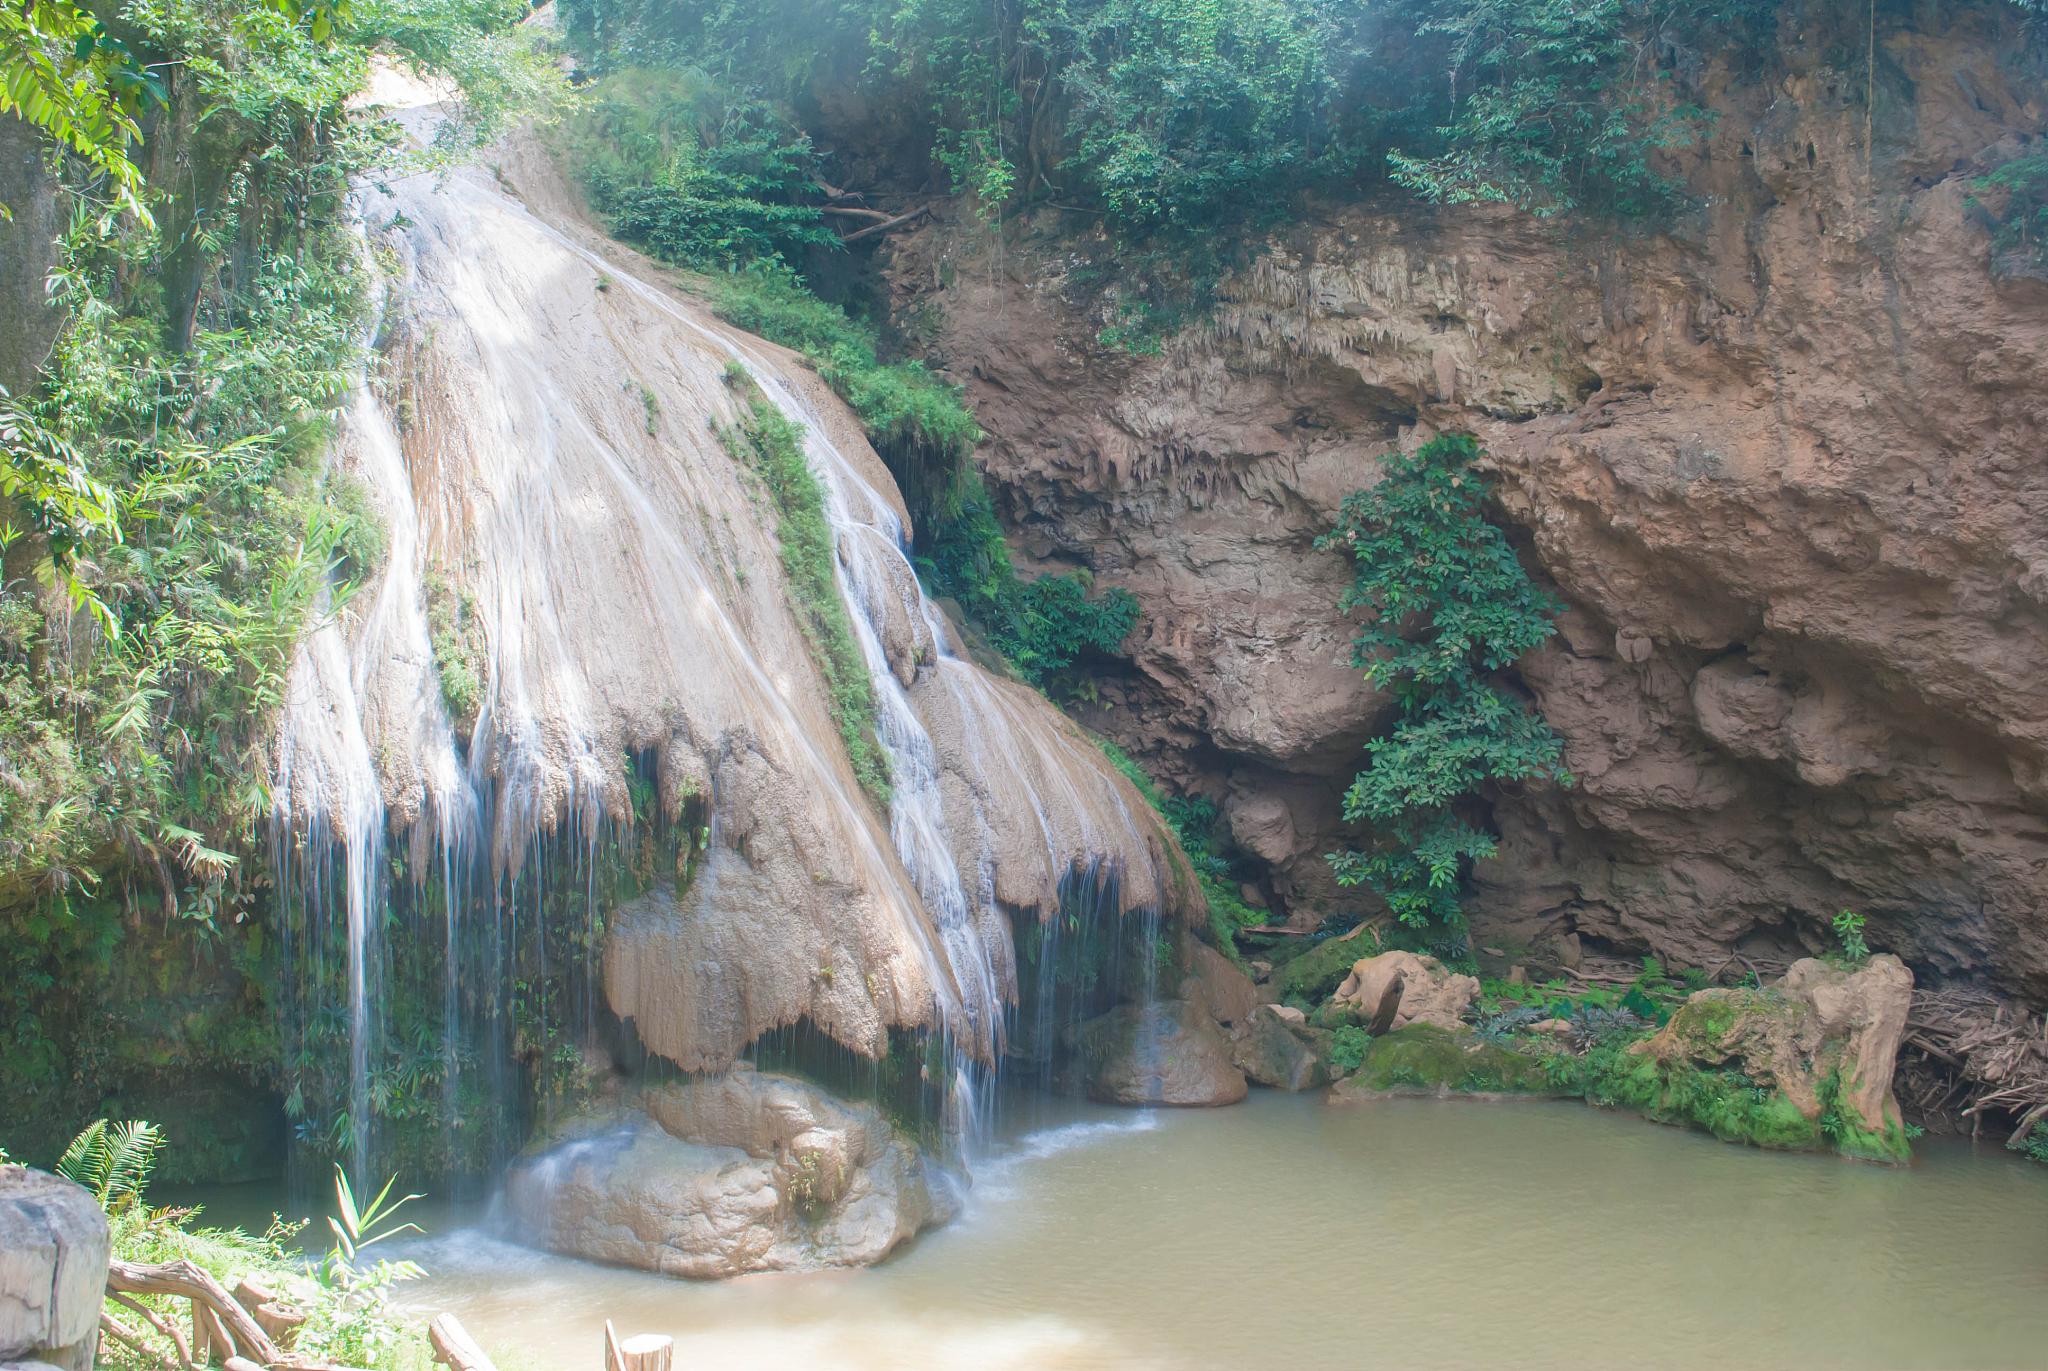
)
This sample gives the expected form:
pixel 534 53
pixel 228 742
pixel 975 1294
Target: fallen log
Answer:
pixel 898 222
pixel 279 1318
pixel 873 216
pixel 161 1325
pixel 454 1348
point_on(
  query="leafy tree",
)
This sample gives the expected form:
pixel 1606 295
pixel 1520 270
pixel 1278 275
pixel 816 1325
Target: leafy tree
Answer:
pixel 64 73
pixel 1451 607
pixel 1559 104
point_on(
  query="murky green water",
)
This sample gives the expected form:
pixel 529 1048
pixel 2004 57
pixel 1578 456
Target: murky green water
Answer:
pixel 1287 1233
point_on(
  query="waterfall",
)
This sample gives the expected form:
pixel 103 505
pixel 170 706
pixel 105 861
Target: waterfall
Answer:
pixel 650 793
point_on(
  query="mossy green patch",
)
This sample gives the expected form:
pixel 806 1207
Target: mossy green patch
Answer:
pixel 1310 977
pixel 1426 1058
pixel 769 443
pixel 1725 1103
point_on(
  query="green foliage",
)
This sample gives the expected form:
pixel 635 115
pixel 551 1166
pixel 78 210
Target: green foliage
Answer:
pixel 702 180
pixel 1849 933
pixel 1451 605
pixel 84 88
pixel 1725 1103
pixel 1349 1045
pixel 1044 627
pixel 1561 104
pixel 2021 228
pixel 199 573
pixel 2034 1142
pixel 342 1328
pixel 772 445
pixel 113 1160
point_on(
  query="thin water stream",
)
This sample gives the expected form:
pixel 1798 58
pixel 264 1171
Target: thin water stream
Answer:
pixel 1289 1233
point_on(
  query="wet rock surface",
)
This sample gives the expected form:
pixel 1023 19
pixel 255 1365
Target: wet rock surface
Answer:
pixel 725 1175
pixel 1164 1052
pixel 1272 1051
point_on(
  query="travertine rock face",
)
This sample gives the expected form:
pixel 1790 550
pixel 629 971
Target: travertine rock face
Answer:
pixel 1163 1052
pixel 1430 993
pixel 720 1176
pixel 1784 464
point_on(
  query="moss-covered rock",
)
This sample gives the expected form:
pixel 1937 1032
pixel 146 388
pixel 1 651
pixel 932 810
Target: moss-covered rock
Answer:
pixel 1308 979
pixel 1803 1065
pixel 1424 1059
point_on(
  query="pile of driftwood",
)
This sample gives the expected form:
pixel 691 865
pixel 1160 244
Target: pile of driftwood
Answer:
pixel 1969 1056
pixel 251 1329
pixel 243 1331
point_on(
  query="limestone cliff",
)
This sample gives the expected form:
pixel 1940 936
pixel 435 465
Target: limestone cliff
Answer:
pixel 1784 462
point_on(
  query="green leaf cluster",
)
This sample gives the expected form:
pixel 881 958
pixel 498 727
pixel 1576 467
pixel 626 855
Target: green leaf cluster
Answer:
pixel 2021 228
pixel 1451 608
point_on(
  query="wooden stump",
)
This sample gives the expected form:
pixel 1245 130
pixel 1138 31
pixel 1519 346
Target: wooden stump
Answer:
pixel 647 1352
pixel 280 1319
pixel 641 1352
pixel 53 1269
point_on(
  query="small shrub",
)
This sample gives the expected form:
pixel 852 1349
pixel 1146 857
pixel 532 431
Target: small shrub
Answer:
pixel 1348 1048
pixel 1849 934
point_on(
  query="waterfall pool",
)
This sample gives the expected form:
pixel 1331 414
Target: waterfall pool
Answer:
pixel 1409 1233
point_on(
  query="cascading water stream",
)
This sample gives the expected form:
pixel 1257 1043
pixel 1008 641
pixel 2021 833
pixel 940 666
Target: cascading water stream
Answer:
pixel 605 578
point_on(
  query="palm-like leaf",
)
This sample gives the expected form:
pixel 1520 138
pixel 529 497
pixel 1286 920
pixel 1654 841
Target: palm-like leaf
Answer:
pixel 113 1160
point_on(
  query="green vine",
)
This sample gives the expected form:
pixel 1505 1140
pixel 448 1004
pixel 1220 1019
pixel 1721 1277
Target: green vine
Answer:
pixel 1451 607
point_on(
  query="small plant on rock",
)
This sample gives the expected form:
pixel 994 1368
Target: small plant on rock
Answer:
pixel 1849 934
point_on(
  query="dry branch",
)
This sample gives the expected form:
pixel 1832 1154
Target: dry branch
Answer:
pixel 899 221
pixel 187 1280
pixel 161 1325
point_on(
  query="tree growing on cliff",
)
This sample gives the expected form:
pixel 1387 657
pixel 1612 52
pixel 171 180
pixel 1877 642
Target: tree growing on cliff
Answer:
pixel 1451 608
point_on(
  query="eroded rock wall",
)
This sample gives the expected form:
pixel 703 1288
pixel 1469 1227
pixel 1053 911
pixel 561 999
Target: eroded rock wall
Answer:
pixel 1785 463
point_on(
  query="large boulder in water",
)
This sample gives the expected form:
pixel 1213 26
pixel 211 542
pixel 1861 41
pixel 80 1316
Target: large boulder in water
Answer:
pixel 1164 1052
pixel 720 1176
pixel 1430 992
pixel 1825 1039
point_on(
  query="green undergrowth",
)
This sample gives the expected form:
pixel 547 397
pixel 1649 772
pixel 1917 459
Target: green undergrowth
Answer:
pixel 338 1333
pixel 1725 1103
pixel 771 445
pixel 2020 230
